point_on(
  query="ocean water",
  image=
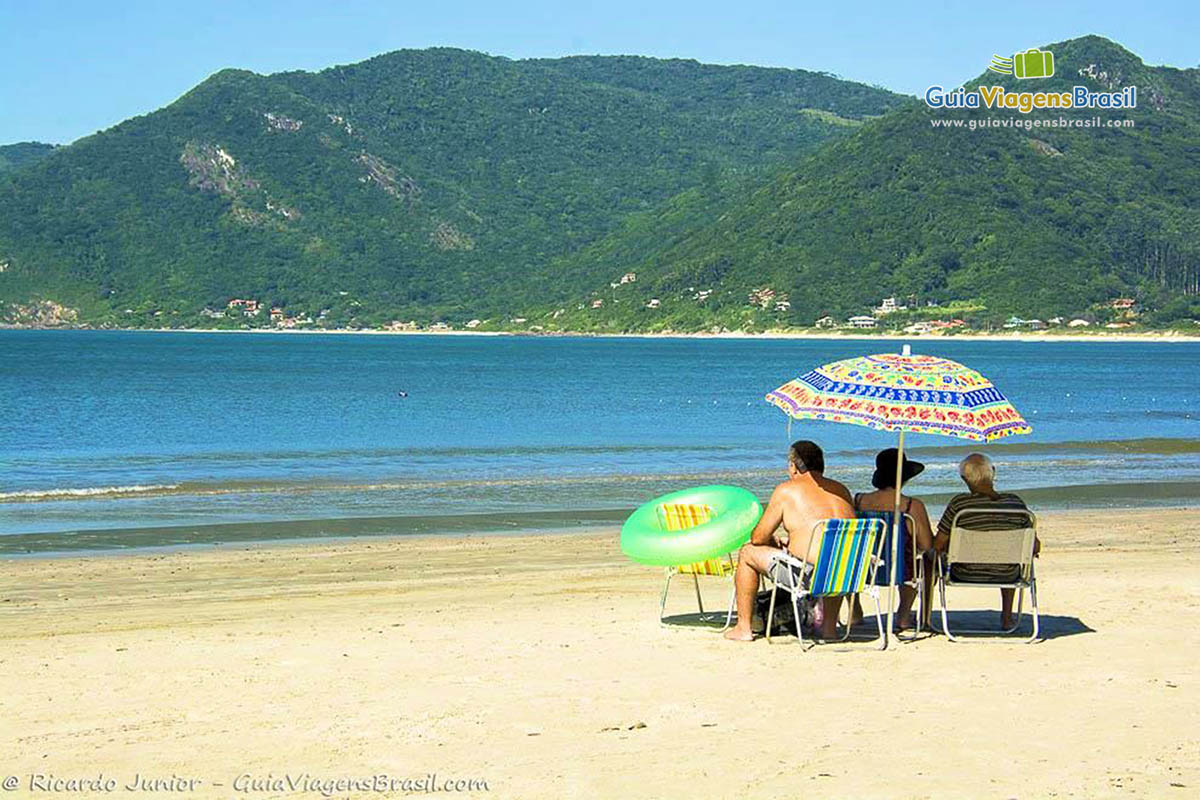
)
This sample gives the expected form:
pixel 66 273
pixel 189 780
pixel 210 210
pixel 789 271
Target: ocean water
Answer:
pixel 120 439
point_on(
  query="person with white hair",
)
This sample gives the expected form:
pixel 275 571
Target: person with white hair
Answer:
pixel 979 474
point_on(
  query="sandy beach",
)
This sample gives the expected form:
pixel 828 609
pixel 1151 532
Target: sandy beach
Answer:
pixel 537 664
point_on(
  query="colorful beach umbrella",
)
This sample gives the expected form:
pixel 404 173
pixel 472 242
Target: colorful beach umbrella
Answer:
pixel 901 392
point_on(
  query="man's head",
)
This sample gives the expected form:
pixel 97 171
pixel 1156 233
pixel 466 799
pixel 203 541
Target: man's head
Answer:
pixel 978 472
pixel 805 456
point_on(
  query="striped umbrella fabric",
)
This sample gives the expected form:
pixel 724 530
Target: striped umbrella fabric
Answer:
pixel 893 392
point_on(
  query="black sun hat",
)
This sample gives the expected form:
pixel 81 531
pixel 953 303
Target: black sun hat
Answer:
pixel 885 469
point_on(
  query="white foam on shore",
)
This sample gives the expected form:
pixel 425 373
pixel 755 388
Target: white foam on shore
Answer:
pixel 33 495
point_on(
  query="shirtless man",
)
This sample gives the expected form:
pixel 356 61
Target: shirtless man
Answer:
pixel 805 497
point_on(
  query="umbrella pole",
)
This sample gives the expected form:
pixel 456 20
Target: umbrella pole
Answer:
pixel 906 351
pixel 895 540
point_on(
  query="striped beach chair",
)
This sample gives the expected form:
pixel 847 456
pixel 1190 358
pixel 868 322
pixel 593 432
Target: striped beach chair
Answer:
pixel 680 517
pixel 991 548
pixel 845 564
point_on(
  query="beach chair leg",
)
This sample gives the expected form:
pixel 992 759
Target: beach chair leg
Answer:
pixel 1033 605
pixel 796 618
pixel 883 640
pixel 798 598
pixel 920 576
pixel 928 577
pixel 771 611
pixel 945 614
pixel 918 612
pixel 849 616
pixel 662 607
pixel 732 604
pixel 733 592
pixel 699 599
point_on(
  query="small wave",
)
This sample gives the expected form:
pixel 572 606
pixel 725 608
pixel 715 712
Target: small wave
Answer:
pixel 35 495
pixel 196 489
pixel 330 455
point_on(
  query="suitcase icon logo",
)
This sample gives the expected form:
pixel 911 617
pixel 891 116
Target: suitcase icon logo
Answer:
pixel 1033 63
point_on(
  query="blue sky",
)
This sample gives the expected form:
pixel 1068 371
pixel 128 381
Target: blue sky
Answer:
pixel 71 68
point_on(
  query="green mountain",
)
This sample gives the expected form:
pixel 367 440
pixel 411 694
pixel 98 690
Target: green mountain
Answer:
pixel 428 185
pixel 445 186
pixel 15 156
pixel 997 221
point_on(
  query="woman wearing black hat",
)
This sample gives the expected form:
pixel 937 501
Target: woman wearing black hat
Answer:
pixel 884 499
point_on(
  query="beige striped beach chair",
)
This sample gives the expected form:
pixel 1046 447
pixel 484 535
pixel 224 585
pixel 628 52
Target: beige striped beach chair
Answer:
pixel 991 548
pixel 679 517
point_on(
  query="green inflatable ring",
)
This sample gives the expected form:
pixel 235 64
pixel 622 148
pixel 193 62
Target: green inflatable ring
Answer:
pixel 735 513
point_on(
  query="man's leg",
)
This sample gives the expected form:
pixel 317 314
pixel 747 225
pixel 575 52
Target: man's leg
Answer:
pixel 829 622
pixel 1006 612
pixel 856 612
pixel 753 560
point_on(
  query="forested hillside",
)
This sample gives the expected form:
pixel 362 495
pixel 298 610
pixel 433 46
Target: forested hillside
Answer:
pixel 993 222
pixel 15 156
pixel 426 185
pixel 446 187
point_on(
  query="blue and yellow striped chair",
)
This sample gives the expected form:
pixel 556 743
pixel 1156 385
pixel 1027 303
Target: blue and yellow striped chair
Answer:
pixel 680 517
pixel 845 564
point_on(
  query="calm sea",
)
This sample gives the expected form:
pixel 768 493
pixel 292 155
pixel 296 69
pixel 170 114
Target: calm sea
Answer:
pixel 115 439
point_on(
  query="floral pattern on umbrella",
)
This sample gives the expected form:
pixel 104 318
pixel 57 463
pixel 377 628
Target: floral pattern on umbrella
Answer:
pixel 921 394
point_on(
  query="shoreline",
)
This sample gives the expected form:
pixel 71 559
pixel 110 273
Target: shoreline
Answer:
pixel 583 531
pixel 1095 524
pixel 587 532
pixel 1042 337
pixel 1134 498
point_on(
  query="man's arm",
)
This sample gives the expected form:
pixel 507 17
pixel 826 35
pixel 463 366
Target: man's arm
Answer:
pixel 942 537
pixel 764 531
